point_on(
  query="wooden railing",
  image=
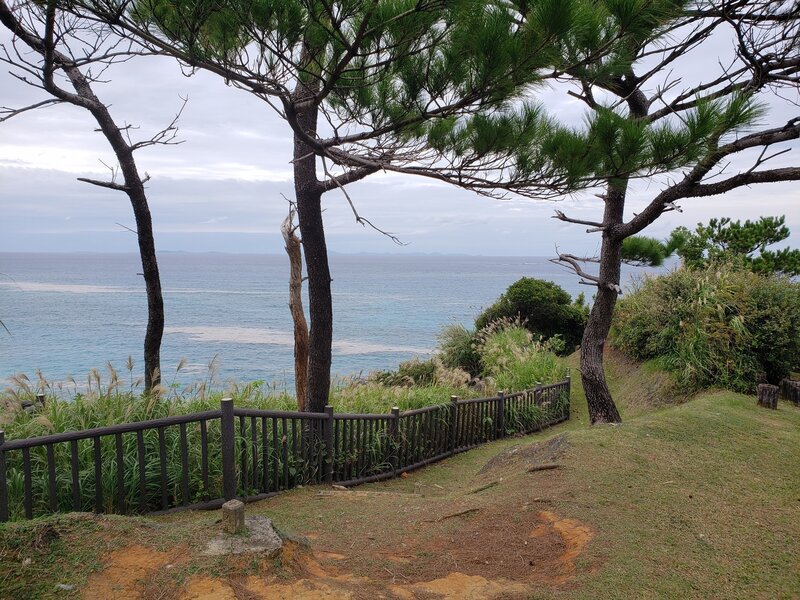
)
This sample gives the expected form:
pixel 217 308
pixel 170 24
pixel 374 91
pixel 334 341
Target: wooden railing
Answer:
pixel 200 460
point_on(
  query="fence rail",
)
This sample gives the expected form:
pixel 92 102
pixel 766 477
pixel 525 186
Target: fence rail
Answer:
pixel 201 459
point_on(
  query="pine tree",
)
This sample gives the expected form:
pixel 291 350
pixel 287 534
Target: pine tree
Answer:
pixel 426 87
pixel 686 140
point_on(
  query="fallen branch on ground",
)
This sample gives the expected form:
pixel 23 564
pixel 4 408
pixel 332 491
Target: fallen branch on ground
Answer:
pixel 545 467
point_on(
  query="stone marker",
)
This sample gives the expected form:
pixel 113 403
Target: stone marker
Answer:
pixel 233 516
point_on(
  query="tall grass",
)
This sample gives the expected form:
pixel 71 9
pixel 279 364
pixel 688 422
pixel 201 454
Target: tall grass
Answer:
pixel 514 359
pixel 513 362
pixel 721 326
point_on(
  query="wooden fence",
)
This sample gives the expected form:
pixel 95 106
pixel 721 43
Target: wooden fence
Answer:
pixel 200 460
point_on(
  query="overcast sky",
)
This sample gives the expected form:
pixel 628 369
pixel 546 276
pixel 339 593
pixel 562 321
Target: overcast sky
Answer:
pixel 220 190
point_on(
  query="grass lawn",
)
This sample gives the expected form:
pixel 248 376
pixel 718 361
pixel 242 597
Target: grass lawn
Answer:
pixel 695 500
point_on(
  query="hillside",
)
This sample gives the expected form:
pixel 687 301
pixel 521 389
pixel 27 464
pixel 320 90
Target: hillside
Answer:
pixel 691 500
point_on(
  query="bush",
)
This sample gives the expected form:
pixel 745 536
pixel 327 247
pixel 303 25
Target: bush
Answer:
pixel 721 326
pixel 458 349
pixel 410 372
pixel 514 360
pixel 546 309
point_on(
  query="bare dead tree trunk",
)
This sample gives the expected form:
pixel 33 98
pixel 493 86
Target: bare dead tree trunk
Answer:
pixel 85 97
pixel 293 249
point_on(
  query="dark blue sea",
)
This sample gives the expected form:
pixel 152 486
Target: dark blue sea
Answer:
pixel 69 313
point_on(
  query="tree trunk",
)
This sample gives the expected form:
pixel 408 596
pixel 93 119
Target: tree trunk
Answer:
pixel 295 253
pixel 601 406
pixel 320 335
pixel 152 283
pixel 308 194
pixel 134 188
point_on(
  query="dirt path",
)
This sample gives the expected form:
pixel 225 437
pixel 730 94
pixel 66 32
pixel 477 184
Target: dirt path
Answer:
pixel 478 559
pixel 488 536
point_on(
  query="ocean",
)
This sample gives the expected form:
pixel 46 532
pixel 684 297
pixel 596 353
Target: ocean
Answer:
pixel 70 313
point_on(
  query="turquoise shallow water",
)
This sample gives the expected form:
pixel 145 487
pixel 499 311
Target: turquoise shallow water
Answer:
pixel 69 313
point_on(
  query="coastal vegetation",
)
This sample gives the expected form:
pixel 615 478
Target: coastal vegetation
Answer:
pixel 446 91
pixel 533 320
pixel 684 501
pixel 743 245
pixel 510 360
pixel 648 123
pixel 719 325
pixel 544 308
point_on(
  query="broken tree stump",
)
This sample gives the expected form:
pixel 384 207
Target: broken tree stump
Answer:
pixel 768 395
pixel 790 390
pixel 233 516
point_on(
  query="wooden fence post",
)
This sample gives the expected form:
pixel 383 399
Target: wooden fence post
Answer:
pixel 3 483
pixel 453 423
pixel 394 438
pixel 501 414
pixel 229 483
pixel 327 425
pixel 569 384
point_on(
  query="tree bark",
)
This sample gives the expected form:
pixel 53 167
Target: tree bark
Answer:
pixel 308 195
pixel 295 253
pixel 598 397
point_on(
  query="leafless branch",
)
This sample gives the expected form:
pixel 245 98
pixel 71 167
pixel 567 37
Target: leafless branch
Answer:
pixel 106 184
pixel 359 219
pixel 597 226
pixel 126 227
pixel 7 113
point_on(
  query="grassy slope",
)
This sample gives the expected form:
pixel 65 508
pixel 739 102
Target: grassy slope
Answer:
pixel 695 500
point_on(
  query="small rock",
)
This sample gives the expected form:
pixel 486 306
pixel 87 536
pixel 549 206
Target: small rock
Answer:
pixel 65 587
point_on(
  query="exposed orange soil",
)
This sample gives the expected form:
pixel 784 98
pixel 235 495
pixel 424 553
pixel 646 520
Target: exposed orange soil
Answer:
pixel 490 537
pixel 127 573
pixel 480 559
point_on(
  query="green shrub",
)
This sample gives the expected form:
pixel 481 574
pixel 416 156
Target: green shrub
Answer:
pixel 458 348
pixel 514 360
pixel 546 309
pixel 410 372
pixel 720 326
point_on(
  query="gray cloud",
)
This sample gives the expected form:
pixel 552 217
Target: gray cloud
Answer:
pixel 221 189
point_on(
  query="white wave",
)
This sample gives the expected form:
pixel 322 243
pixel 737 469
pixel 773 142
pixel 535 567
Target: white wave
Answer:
pixel 69 288
pixel 347 347
pixel 235 335
pixel 274 337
